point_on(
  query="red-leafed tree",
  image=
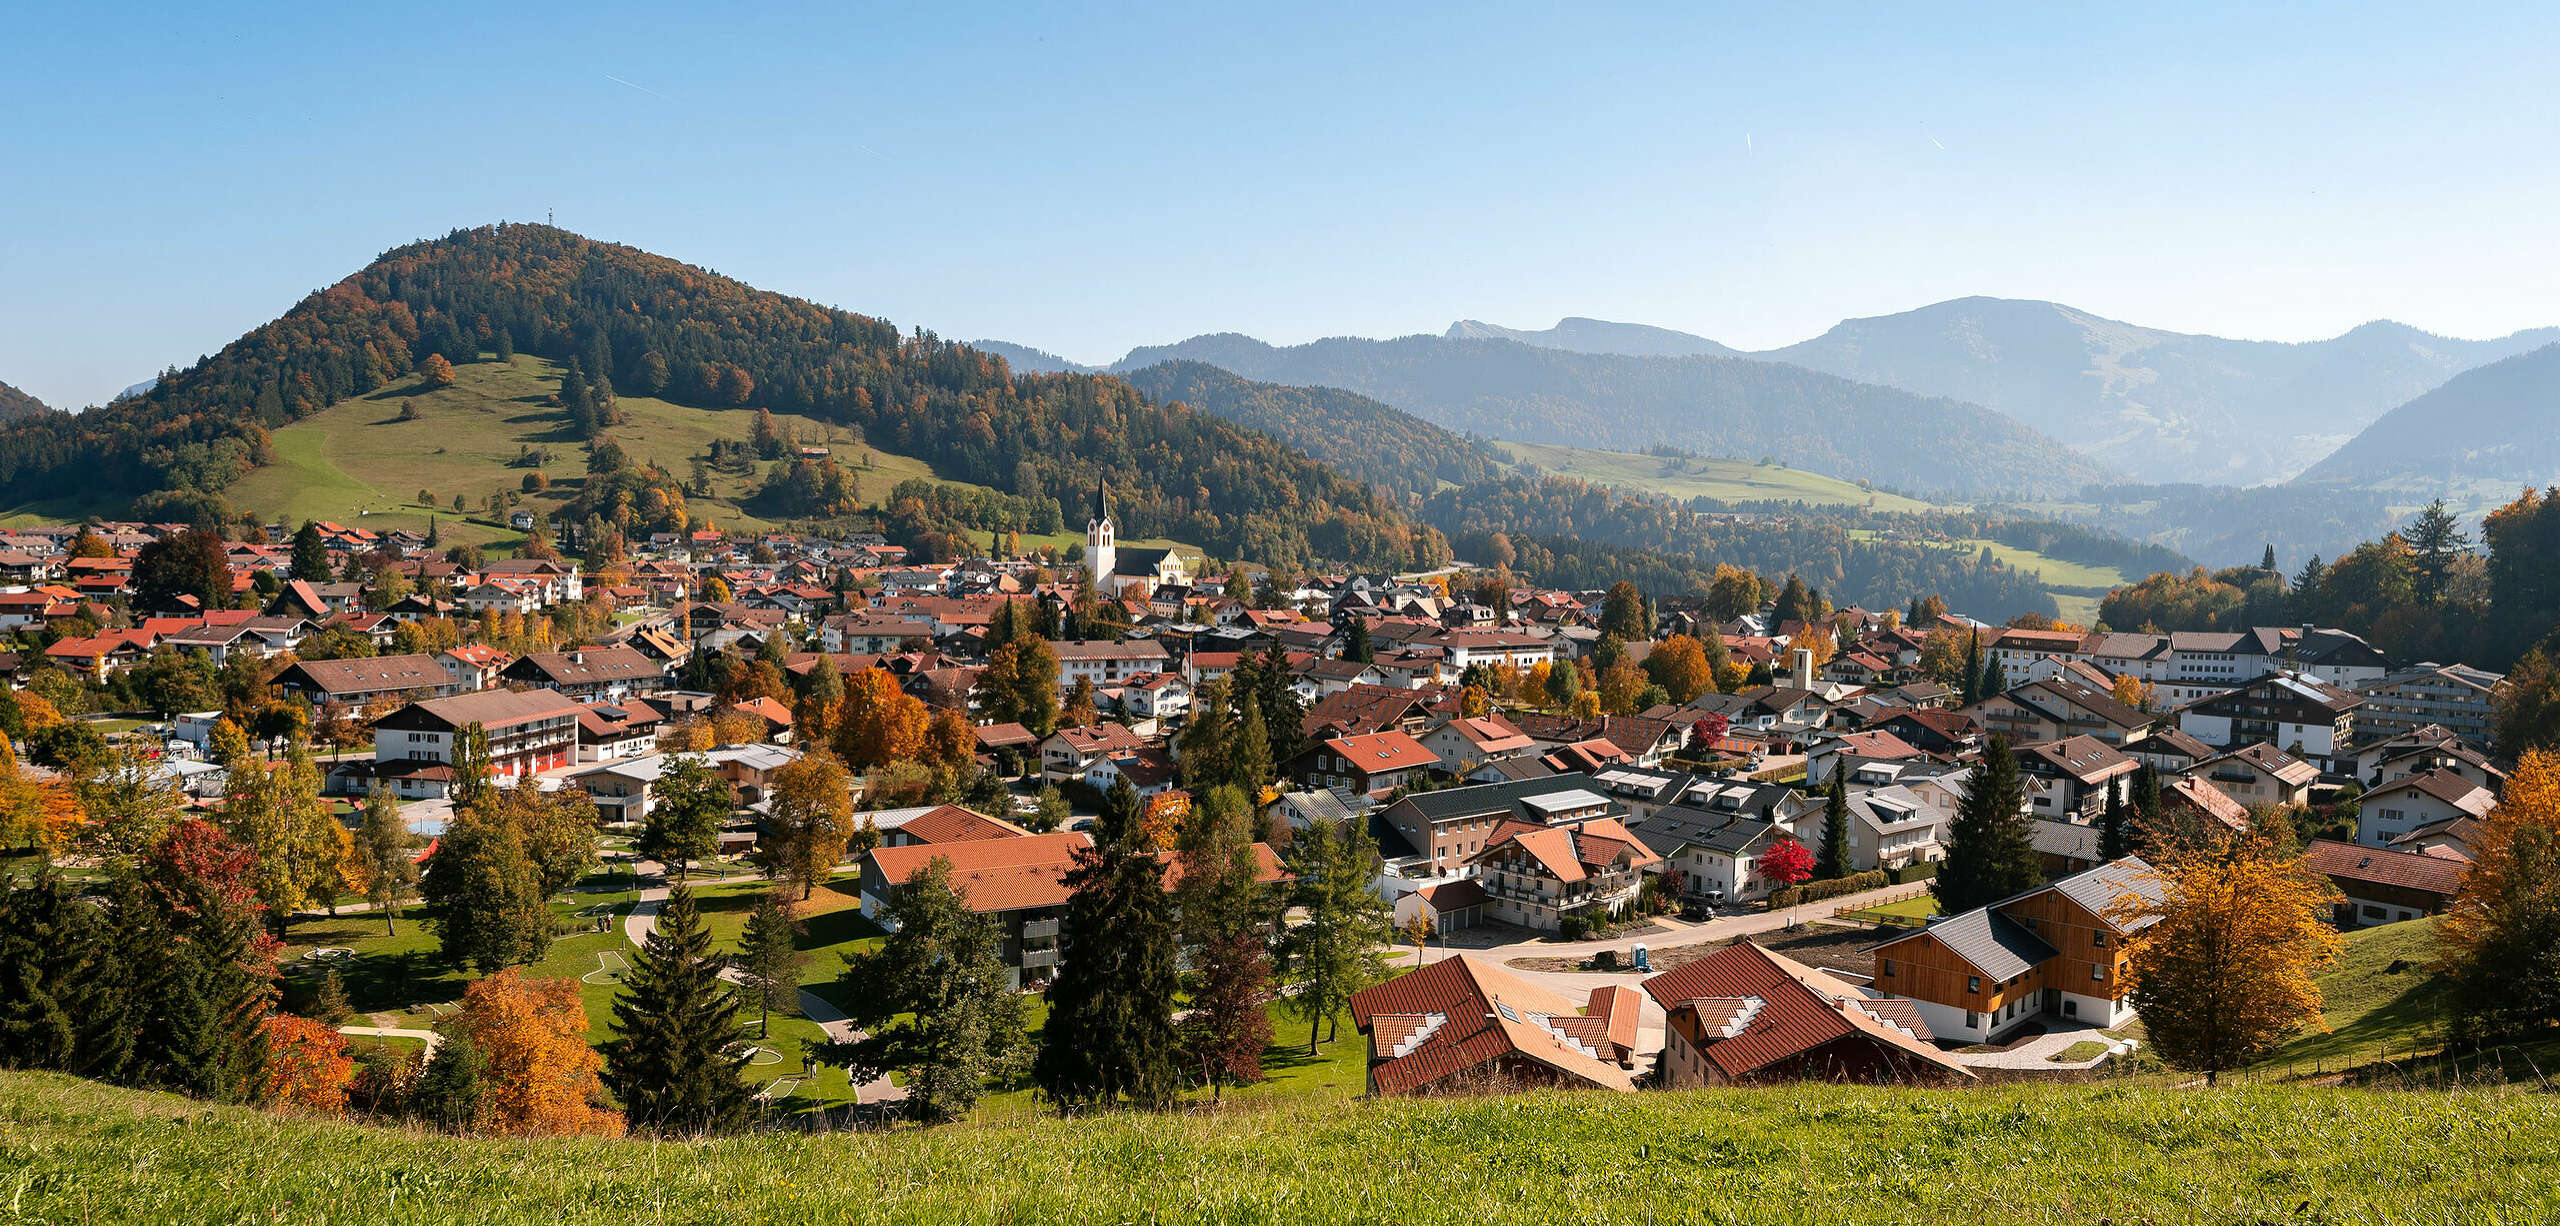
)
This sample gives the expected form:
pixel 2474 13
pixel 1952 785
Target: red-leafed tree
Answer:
pixel 1786 863
pixel 1710 728
pixel 307 1065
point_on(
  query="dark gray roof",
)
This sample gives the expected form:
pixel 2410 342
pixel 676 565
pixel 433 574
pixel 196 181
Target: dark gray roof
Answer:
pixel 1452 804
pixel 1677 826
pixel 2097 889
pixel 1991 943
pixel 2070 840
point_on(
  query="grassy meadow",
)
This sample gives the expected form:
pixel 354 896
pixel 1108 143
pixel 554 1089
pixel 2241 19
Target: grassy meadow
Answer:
pixel 1683 477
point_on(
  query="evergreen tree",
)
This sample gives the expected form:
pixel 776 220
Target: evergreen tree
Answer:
pixel 1834 861
pixel 449 1089
pixel 1226 915
pixel 1990 847
pixel 935 1000
pixel 2436 539
pixel 1205 749
pixel 61 988
pixel 1973 669
pixel 203 1028
pixel 2115 825
pixel 1355 642
pixel 310 554
pixel 1249 764
pixel 1110 1036
pixel 769 955
pixel 2268 562
pixel 671 1061
pixel 1994 682
pixel 1336 951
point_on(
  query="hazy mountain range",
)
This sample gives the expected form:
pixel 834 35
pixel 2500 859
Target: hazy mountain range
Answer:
pixel 2146 403
pixel 1500 388
pixel 2477 439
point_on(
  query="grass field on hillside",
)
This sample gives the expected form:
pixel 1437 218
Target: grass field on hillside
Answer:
pixel 2383 999
pixel 76 1151
pixel 1726 480
pixel 356 463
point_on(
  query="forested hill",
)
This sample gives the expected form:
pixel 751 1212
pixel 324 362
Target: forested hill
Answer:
pixel 1710 405
pixel 652 325
pixel 2490 430
pixel 15 403
pixel 1356 435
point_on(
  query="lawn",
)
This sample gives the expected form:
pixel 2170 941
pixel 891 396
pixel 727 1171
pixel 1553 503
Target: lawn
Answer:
pixel 357 463
pixel 2085 1049
pixel 1685 478
pixel 2381 999
pixel 2032 1155
pixel 1908 912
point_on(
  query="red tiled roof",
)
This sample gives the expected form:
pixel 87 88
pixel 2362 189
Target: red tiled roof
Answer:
pixel 1382 751
pixel 2407 870
pixel 1467 1013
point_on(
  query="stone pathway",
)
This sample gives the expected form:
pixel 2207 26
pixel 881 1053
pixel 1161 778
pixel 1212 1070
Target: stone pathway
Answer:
pixel 2037 1053
pixel 430 1037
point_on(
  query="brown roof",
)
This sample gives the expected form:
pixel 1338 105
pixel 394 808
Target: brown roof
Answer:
pixel 1569 853
pixel 491 709
pixel 1458 1013
pixel 2208 800
pixel 587 666
pixel 953 824
pixel 2407 870
pixel 994 874
pixel 2445 786
pixel 1757 1009
pixel 1382 751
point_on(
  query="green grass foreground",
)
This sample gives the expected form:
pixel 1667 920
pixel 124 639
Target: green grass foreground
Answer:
pixel 75 1151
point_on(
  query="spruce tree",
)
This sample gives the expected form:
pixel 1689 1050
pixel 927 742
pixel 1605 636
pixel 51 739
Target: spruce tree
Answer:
pixel 1336 951
pixel 689 802
pixel 1990 847
pixel 449 1089
pixel 310 554
pixel 769 954
pixel 1110 1036
pixel 1355 644
pixel 61 988
pixel 209 1009
pixel 935 1001
pixel 1994 682
pixel 1834 860
pixel 2115 833
pixel 1973 669
pixel 671 1063
pixel 1226 915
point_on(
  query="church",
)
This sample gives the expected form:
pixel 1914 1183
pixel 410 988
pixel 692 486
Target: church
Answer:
pixel 1125 572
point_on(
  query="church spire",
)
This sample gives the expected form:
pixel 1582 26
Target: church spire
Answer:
pixel 1101 500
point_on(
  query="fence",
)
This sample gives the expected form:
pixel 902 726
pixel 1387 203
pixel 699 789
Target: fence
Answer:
pixel 1859 910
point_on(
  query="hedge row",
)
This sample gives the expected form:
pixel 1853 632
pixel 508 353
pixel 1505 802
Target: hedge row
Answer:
pixel 1816 891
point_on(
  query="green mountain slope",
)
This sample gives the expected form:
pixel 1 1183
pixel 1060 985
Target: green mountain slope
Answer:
pixel 1710 405
pixel 79 1152
pixel 15 403
pixel 1356 435
pixel 660 329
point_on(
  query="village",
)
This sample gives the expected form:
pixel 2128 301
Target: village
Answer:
pixel 1618 842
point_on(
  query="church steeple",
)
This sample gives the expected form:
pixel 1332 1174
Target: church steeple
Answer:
pixel 1101 502
pixel 1101 552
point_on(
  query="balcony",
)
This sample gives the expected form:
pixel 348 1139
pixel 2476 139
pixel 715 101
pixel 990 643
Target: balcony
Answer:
pixel 1039 959
pixel 1039 930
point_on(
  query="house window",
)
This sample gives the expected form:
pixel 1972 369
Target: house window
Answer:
pixel 1973 984
pixel 2097 972
pixel 1888 968
pixel 1972 1019
pixel 2098 939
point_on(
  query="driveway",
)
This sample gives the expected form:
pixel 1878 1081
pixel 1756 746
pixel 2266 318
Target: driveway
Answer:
pixel 2037 1053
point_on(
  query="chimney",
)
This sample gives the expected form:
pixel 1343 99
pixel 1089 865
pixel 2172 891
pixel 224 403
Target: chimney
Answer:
pixel 1804 668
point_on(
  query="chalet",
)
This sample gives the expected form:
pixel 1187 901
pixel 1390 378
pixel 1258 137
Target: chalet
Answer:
pixel 1745 1016
pixel 2310 719
pixel 2394 810
pixel 1356 766
pixel 1363 709
pixel 1464 649
pixel 937 824
pixel 2059 707
pixel 610 732
pixel 1850 750
pixel 1715 854
pixel 550 582
pixel 598 673
pixel 2198 795
pixel 1944 734
pixel 1892 827
pixel 1466 1023
pixel 1460 743
pixel 529 732
pixel 1070 752
pixel 2431 747
pixel 2259 774
pixel 2054 951
pixel 873 633
pixel 2384 886
pixel 1535 876
pixel 1444 829
pixel 2072 776
pixel 344 683
pixel 1155 696
pixel 474 666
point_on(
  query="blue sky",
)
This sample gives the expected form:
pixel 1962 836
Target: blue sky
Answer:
pixel 1088 179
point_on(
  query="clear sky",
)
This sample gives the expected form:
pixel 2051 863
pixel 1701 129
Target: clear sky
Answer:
pixel 1086 179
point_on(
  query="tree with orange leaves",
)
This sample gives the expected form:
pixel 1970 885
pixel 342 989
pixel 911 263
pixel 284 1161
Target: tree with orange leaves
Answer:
pixel 878 723
pixel 539 1076
pixel 1680 666
pixel 2224 960
pixel 437 369
pixel 950 740
pixel 42 813
pixel 307 1065
pixel 2498 935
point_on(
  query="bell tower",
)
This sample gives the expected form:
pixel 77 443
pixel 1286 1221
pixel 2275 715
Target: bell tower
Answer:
pixel 1100 553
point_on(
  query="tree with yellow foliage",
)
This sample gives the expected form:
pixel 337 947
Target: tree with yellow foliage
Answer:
pixel 2133 692
pixel 2499 935
pixel 538 1074
pixel 41 813
pixel 1680 666
pixel 812 819
pixel 2224 964
pixel 1472 703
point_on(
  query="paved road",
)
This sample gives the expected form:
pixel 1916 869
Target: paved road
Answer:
pixel 393 1032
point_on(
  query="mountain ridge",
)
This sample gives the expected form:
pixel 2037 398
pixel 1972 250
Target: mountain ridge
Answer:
pixel 15 403
pixel 2477 436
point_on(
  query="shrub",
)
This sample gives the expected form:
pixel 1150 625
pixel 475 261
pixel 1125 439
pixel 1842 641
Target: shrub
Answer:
pixel 1816 891
pixel 1909 873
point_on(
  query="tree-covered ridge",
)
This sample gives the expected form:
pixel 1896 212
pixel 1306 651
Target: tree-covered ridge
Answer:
pixel 1711 405
pixel 1575 534
pixel 1358 436
pixel 645 323
pixel 15 403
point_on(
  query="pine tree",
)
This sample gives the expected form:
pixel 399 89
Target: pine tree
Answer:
pixel 329 1000
pixel 769 955
pixel 1225 915
pixel 61 988
pixel 1205 749
pixel 1249 760
pixel 449 1089
pixel 1994 682
pixel 2436 539
pixel 1355 643
pixel 671 1063
pixel 1834 861
pixel 1110 1035
pixel 209 1009
pixel 683 826
pixel 1336 951
pixel 935 1000
pixel 1990 847
pixel 1973 669
pixel 310 554
pixel 2115 825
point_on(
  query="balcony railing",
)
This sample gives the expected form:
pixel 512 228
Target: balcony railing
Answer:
pixel 1039 959
pixel 1038 930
